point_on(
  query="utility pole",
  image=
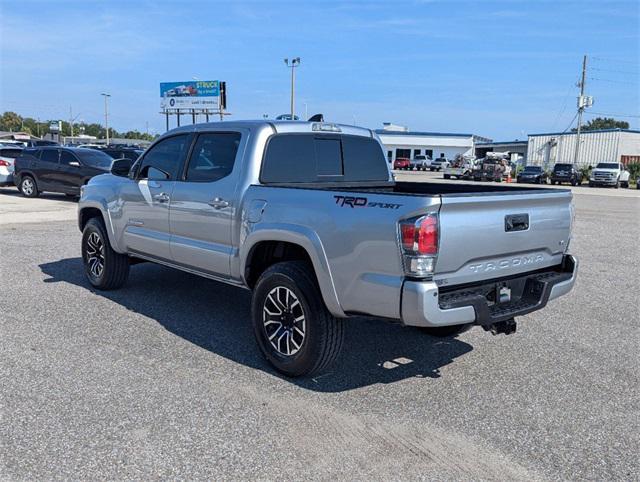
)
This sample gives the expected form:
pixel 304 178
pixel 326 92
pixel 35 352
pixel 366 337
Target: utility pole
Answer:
pixel 292 65
pixel 106 113
pixel 71 121
pixel 581 106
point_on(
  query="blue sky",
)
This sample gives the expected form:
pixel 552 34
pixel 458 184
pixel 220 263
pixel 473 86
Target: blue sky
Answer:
pixel 495 68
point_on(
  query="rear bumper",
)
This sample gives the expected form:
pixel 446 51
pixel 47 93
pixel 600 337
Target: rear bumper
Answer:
pixel 6 179
pixel 423 304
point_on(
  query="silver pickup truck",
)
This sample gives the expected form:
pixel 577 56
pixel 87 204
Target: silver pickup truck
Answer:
pixel 308 217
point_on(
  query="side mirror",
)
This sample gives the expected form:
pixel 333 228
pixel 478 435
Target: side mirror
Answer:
pixel 74 164
pixel 121 167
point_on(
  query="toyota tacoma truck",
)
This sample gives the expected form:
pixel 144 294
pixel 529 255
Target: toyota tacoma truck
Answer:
pixel 309 218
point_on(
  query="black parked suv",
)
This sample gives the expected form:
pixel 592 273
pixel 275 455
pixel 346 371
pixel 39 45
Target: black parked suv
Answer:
pixel 534 174
pixel 566 173
pixel 58 169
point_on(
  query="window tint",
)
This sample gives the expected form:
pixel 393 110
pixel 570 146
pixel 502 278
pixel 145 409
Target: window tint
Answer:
pixel 213 156
pixel 94 158
pixel 66 157
pixel 608 165
pixel 12 153
pixel 49 155
pixel 165 157
pixel 363 159
pixel 328 157
pixel 314 158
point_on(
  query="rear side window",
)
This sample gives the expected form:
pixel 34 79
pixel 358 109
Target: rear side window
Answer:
pixel 307 158
pixel 49 155
pixel 213 156
pixel 12 153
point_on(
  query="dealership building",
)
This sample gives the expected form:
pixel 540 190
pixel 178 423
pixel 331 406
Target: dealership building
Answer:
pixel 399 141
pixel 607 145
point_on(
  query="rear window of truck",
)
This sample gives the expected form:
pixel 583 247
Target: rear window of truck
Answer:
pixel 312 158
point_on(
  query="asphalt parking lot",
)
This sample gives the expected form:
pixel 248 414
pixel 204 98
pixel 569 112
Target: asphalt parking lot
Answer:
pixel 163 379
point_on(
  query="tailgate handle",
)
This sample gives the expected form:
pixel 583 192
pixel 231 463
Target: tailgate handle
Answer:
pixel 516 222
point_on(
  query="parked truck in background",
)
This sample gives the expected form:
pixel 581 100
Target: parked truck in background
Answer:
pixel 461 168
pixel 609 174
pixel 308 217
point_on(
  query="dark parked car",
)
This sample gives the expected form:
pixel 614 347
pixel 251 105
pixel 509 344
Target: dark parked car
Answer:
pixel 122 152
pixel 58 169
pixel 533 174
pixel 566 173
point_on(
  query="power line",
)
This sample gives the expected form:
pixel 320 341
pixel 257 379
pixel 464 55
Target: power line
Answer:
pixel 629 72
pixel 614 115
pixel 613 81
pixel 620 61
pixel 570 123
pixel 564 105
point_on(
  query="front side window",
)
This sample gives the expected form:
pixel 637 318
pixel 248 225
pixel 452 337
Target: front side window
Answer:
pixel 213 156
pixel 49 155
pixel 162 161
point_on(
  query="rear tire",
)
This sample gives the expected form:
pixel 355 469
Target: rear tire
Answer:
pixel 446 176
pixel 293 328
pixel 445 331
pixel 105 269
pixel 28 187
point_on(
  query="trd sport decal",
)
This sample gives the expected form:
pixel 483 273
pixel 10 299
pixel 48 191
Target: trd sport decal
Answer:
pixel 362 202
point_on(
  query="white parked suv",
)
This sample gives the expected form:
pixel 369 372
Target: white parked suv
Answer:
pixel 609 174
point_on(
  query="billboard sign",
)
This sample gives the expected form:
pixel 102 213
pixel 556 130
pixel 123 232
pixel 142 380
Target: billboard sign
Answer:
pixel 193 94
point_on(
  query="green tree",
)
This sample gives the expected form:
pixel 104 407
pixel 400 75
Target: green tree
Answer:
pixel 604 123
pixel 10 121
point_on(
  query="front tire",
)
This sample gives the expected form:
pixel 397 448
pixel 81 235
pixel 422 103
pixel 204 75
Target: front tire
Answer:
pixel 293 328
pixel 104 268
pixel 28 187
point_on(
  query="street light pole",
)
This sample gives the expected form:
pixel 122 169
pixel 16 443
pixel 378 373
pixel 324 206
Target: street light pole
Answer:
pixel 292 65
pixel 106 113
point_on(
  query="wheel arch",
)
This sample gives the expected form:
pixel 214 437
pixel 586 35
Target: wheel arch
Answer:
pixel 95 210
pixel 268 245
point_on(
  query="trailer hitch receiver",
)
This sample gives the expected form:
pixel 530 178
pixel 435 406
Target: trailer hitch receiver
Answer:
pixel 506 327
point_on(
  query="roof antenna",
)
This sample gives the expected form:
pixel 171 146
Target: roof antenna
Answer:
pixel 316 118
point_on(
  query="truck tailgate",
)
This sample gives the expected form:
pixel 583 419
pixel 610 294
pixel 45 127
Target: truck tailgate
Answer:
pixel 493 236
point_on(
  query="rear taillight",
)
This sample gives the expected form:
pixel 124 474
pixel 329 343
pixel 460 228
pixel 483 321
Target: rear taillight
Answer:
pixel 419 243
pixel 4 163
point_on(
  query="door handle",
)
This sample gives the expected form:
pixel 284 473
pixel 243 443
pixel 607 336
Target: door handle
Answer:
pixel 218 203
pixel 163 197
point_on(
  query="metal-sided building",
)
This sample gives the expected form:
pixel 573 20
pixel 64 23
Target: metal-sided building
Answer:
pixel 399 141
pixel 607 145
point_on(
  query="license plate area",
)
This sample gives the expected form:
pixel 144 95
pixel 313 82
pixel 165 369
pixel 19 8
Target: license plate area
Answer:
pixel 503 299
